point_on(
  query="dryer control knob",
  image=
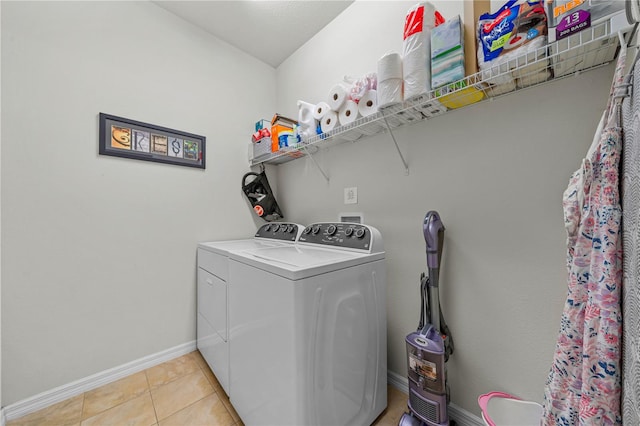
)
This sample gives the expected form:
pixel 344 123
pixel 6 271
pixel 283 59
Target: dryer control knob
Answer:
pixel 290 228
pixel 348 232
pixel 307 230
pixel 267 228
pixel 360 233
pixel 316 229
pixel 331 230
pixel 275 228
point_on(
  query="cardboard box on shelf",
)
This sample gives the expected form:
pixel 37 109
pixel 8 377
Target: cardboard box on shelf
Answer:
pixel 472 11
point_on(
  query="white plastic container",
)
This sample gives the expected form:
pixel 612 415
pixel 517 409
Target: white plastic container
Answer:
pixel 503 409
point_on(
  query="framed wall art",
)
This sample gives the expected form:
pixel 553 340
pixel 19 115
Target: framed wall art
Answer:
pixel 121 137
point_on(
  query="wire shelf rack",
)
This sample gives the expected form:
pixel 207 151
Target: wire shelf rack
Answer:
pixel 591 48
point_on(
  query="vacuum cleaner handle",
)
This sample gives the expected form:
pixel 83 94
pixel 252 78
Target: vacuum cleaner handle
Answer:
pixel 433 230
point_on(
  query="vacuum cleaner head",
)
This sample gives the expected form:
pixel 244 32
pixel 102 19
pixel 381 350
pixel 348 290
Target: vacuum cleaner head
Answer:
pixel 427 376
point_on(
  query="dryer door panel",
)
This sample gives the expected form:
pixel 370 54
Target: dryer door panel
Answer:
pixel 212 301
pixel 214 350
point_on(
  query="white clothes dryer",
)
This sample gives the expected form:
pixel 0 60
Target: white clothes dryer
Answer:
pixel 212 331
pixel 307 328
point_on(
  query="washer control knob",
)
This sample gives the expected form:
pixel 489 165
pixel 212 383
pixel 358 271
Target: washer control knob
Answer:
pixel 348 232
pixel 290 228
pixel 275 228
pixel 315 229
pixel 360 232
pixel 331 230
pixel 307 230
pixel 267 228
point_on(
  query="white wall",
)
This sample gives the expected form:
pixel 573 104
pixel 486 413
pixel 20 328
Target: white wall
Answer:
pixel 495 172
pixel 98 253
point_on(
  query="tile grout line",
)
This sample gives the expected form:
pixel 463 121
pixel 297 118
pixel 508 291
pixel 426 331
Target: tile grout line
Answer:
pixel 84 398
pixel 193 403
pixel 153 404
pixel 215 390
pixel 177 378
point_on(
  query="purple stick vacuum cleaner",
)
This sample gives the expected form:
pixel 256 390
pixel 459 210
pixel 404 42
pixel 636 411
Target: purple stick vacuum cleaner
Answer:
pixel 428 348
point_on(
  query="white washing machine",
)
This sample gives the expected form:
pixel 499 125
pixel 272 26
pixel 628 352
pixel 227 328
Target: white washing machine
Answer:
pixel 213 285
pixel 308 329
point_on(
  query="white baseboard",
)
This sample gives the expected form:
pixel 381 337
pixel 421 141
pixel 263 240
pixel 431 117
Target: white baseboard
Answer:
pixel 53 396
pixel 3 419
pixel 460 415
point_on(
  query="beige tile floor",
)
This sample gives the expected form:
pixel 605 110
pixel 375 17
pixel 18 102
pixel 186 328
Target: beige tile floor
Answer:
pixel 180 392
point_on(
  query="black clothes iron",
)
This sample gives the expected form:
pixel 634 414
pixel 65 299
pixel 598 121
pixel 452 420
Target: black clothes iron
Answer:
pixel 428 348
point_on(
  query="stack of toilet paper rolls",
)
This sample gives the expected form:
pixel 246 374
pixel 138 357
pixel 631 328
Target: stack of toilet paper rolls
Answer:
pixel 390 80
pixel 340 111
pixel 346 102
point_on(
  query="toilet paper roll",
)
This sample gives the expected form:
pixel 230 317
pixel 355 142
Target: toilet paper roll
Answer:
pixel 389 92
pixel 348 113
pixel 320 110
pixel 337 96
pixel 416 49
pixel 368 103
pixel 307 123
pixel 389 67
pixel 329 121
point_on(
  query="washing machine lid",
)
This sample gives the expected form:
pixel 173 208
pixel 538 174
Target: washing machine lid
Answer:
pixel 297 262
pixel 224 247
pixel 275 234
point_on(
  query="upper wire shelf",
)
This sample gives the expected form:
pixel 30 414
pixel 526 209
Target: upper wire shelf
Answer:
pixel 583 51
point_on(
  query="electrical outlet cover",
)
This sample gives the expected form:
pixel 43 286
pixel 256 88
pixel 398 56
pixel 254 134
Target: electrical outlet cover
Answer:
pixel 351 195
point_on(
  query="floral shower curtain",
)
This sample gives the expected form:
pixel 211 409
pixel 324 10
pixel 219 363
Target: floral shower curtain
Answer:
pixel 583 387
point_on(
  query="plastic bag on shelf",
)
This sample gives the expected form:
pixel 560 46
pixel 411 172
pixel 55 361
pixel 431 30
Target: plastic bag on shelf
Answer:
pixel 358 86
pixel 517 29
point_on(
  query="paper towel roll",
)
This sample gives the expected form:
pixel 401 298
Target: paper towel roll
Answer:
pixel 389 92
pixel 329 121
pixel 307 123
pixel 321 109
pixel 416 49
pixel 337 96
pixel 348 113
pixel 389 67
pixel 368 103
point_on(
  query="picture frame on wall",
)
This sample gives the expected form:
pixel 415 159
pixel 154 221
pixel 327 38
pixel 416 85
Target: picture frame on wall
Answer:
pixel 125 138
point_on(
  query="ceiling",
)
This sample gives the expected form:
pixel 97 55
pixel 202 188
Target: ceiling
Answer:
pixel 268 30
